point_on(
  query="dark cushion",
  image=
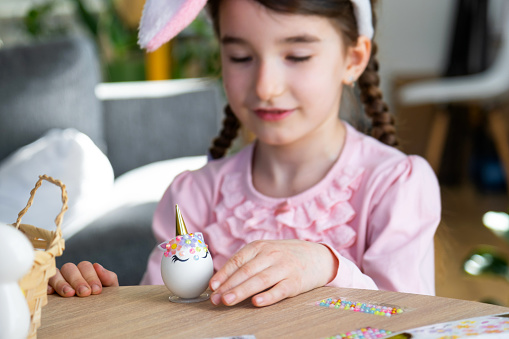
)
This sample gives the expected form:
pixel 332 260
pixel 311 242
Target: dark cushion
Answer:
pixel 120 241
pixel 48 85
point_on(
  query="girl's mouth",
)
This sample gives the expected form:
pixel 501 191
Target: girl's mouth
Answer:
pixel 273 114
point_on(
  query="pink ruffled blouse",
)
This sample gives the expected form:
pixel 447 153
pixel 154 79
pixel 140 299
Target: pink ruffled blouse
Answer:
pixel 377 210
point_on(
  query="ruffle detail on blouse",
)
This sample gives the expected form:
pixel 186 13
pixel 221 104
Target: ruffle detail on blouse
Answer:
pixel 323 218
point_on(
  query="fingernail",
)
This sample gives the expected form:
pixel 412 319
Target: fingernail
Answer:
pixel 49 289
pixel 229 298
pixel 215 298
pixel 96 289
pixel 214 285
pixel 258 300
pixel 66 289
pixel 82 290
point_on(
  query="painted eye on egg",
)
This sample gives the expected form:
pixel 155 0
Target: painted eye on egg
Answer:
pixel 175 259
pixel 206 254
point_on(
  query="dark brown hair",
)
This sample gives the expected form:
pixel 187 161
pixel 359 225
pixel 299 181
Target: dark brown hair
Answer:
pixel 341 11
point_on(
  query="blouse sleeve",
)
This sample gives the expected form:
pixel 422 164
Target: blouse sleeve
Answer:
pixel 404 214
pixel 186 191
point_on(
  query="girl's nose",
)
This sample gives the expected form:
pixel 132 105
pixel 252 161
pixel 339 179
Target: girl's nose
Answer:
pixel 269 82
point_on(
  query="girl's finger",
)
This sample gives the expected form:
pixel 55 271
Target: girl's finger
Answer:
pixel 255 284
pixel 108 278
pixel 60 285
pixel 244 273
pixel 283 289
pixel 74 277
pixel 238 260
pixel 89 274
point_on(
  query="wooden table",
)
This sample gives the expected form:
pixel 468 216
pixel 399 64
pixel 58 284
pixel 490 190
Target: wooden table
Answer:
pixel 145 312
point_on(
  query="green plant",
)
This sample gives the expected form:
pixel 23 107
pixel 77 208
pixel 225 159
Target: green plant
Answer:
pixel 487 260
pixel 121 58
pixel 38 24
pixel 490 261
pixel 195 52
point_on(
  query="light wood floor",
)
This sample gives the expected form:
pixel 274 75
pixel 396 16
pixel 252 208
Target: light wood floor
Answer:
pixel 462 230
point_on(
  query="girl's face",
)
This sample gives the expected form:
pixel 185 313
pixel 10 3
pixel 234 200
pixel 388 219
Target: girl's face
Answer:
pixel 283 73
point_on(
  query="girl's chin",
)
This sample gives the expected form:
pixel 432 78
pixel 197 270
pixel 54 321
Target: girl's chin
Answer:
pixel 274 140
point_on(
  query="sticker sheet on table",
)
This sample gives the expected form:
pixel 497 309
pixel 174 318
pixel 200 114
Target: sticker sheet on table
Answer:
pixel 363 333
pixel 487 327
pixel 363 307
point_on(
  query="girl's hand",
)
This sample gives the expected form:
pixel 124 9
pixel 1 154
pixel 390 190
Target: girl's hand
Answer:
pixel 276 268
pixel 82 280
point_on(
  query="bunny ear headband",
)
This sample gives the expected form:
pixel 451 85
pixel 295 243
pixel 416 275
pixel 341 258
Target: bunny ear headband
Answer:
pixel 164 19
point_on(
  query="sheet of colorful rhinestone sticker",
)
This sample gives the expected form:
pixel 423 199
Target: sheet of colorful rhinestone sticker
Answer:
pixel 362 333
pixel 356 306
pixel 489 327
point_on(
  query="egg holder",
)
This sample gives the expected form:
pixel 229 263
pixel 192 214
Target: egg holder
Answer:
pixel 47 245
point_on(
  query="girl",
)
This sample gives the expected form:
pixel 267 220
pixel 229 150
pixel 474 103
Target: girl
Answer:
pixel 312 201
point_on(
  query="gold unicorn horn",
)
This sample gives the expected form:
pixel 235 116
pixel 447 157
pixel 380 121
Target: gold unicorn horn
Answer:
pixel 179 222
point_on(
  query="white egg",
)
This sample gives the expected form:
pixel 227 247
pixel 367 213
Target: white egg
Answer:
pixel 186 266
pixel 16 254
pixel 16 259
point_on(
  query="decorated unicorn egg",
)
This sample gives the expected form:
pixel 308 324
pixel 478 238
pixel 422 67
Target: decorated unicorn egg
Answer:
pixel 186 266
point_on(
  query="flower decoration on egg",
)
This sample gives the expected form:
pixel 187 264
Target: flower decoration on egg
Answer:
pixel 186 266
pixel 185 247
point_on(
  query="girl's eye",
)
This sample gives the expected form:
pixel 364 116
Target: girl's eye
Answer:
pixel 206 254
pixel 175 259
pixel 298 59
pixel 240 60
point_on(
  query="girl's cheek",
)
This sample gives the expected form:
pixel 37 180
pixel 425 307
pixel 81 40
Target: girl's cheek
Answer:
pixel 228 85
pixel 234 83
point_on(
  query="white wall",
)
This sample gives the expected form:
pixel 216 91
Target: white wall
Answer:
pixel 413 38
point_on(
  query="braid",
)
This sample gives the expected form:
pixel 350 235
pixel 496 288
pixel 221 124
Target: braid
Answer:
pixel 383 127
pixel 229 132
pixel 383 124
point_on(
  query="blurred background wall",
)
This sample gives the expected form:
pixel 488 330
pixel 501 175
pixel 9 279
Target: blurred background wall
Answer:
pixel 413 34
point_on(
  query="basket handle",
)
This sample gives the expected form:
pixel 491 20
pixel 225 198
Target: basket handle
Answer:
pixel 58 219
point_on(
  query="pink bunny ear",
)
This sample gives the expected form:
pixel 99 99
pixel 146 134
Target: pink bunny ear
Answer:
pixel 164 19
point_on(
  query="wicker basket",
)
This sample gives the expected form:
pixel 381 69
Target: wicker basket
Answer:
pixel 47 245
